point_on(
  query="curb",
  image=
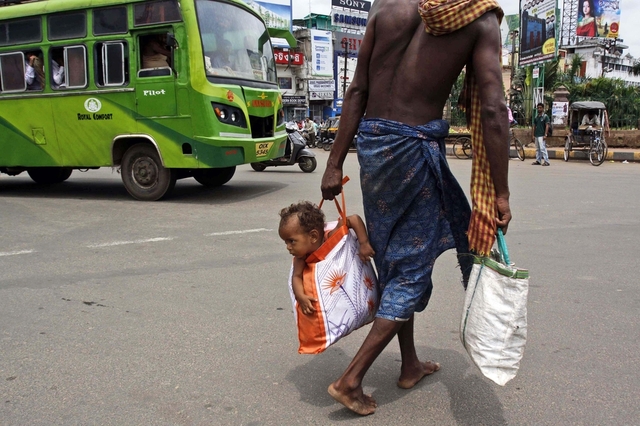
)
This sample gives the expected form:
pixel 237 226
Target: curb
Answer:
pixel 558 154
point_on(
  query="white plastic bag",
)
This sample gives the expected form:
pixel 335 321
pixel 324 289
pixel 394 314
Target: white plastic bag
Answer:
pixel 493 329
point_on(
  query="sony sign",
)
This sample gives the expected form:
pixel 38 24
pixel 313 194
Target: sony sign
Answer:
pixel 363 6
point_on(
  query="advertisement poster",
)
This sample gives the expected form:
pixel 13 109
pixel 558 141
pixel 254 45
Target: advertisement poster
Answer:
pixel 538 28
pixel 598 18
pixel 276 13
pixel 559 112
pixel 321 53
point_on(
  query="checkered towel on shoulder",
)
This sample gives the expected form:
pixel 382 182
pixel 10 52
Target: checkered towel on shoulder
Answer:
pixel 443 17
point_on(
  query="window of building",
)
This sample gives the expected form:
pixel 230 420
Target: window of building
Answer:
pixel 20 31
pixel 64 26
pixel 112 63
pixel 284 82
pixel 156 12
pixel 112 20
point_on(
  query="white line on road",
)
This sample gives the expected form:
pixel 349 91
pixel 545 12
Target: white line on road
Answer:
pixel 121 243
pixel 246 231
pixel 13 253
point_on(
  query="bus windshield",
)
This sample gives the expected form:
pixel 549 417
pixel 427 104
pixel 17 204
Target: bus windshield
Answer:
pixel 235 42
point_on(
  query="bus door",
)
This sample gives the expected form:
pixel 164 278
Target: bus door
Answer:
pixel 155 82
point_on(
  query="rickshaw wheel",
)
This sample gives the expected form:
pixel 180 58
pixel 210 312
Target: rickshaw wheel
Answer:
pixel 567 149
pixel 598 153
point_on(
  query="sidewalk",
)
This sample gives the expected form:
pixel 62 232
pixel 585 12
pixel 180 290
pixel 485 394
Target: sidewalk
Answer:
pixel 557 153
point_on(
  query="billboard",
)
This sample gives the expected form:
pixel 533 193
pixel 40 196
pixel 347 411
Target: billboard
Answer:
pixel 321 53
pixel 276 13
pixel 538 28
pixel 598 18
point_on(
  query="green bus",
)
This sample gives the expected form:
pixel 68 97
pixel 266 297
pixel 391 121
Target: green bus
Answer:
pixel 161 89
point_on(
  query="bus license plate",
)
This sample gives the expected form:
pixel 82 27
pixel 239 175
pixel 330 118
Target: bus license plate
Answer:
pixel 262 149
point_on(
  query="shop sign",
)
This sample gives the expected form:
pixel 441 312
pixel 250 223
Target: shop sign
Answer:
pixel 294 100
pixel 320 95
pixel 291 57
pixel 322 86
pixel 364 6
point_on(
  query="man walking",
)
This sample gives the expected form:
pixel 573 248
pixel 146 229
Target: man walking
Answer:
pixel 541 125
pixel 414 207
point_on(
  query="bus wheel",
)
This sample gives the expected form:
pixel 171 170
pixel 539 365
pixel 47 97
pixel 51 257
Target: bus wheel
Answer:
pixel 214 177
pixel 49 175
pixel 143 175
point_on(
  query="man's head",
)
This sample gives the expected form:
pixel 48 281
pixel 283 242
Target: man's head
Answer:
pixel 301 228
pixel 540 108
pixel 591 113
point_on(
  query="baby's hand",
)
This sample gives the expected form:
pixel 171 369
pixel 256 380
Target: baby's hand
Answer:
pixel 366 252
pixel 306 304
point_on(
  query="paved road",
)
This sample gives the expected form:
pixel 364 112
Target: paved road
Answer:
pixel 120 312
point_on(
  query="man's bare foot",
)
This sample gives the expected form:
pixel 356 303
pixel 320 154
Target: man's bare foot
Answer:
pixel 411 378
pixel 355 401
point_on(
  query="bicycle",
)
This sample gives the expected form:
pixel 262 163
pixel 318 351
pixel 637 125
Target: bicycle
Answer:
pixel 462 147
pixel 517 145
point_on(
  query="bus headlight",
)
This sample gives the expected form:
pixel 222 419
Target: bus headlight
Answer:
pixel 228 114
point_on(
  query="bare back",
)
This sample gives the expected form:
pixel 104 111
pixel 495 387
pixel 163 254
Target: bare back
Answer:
pixel 410 70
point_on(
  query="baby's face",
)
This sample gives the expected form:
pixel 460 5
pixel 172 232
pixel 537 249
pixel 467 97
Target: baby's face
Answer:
pixel 300 244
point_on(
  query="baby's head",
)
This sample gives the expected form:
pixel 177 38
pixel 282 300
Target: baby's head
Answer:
pixel 302 228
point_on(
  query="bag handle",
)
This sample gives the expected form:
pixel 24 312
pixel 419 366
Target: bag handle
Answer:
pixel 342 211
pixel 502 246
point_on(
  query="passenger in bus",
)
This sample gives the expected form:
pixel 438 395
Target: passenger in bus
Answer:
pixel 223 57
pixel 154 52
pixel 57 69
pixel 33 71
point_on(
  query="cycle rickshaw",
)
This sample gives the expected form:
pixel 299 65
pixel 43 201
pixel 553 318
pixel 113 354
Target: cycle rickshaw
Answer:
pixel 586 121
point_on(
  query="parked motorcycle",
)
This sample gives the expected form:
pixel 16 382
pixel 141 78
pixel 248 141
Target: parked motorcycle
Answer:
pixel 296 152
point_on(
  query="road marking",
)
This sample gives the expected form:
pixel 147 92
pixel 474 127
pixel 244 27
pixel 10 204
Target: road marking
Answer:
pixel 13 253
pixel 246 231
pixel 121 243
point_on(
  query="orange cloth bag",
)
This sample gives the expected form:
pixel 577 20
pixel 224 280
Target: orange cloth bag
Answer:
pixel 346 289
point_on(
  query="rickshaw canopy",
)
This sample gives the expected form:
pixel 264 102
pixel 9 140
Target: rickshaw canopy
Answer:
pixel 582 105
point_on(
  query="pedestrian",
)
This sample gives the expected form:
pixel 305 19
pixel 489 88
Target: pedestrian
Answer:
pixel 310 128
pixel 414 207
pixel 302 230
pixel 540 130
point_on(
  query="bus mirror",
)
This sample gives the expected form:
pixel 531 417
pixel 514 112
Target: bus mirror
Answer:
pixel 171 41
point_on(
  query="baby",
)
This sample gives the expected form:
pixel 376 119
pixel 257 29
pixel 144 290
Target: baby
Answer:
pixel 302 229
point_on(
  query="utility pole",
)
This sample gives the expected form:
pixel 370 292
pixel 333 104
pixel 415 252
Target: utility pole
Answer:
pixel 345 45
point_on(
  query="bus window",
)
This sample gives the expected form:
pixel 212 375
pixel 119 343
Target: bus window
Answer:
pixel 112 20
pixel 58 78
pixel 76 60
pixel 155 12
pixel 154 52
pixel 235 42
pixel 64 26
pixel 22 70
pixel 112 63
pixel 21 31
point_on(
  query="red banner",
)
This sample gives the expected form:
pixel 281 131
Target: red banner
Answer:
pixel 283 57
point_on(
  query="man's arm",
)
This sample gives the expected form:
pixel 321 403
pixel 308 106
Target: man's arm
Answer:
pixel 353 109
pixel 486 65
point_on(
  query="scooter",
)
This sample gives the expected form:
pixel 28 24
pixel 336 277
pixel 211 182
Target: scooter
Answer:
pixel 296 152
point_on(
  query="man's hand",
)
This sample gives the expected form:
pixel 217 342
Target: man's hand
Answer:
pixel 504 213
pixel 331 182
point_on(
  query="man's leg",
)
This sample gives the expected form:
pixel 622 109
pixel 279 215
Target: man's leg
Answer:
pixel 347 390
pixel 412 370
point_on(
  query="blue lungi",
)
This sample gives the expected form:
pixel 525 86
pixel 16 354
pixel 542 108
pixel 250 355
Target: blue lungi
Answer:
pixel 414 208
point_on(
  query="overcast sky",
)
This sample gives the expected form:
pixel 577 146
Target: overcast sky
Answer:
pixel 629 17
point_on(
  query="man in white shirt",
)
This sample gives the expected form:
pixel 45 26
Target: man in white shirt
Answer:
pixel 57 73
pixel 591 118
